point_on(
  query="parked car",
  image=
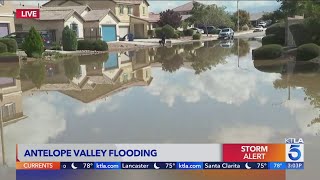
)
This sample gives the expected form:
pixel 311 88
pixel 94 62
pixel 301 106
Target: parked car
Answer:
pixel 201 31
pixel 20 37
pixel 226 33
pixel 263 24
pixel 258 29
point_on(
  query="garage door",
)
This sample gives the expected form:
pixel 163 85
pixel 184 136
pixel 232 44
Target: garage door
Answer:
pixel 123 30
pixel 109 33
pixel 4 29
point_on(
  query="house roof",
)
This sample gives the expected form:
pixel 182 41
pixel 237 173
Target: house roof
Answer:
pixel 98 15
pixel 153 17
pixel 78 9
pixel 50 15
pixel 184 7
pixel 130 2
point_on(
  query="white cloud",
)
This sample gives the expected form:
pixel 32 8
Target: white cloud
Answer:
pixel 85 109
pixel 44 122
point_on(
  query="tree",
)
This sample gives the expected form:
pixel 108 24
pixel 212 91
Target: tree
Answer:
pixel 71 67
pixel 33 44
pixel 207 15
pixel 171 18
pixel 69 39
pixel 274 16
pixel 244 18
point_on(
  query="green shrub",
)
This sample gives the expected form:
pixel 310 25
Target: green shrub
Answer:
pixel 313 26
pixel 277 29
pixel 85 45
pixel 100 45
pixel 3 48
pixel 273 39
pixel 69 40
pixel 271 51
pixel 188 32
pixel 196 36
pixel 33 44
pixel 175 36
pixel 307 52
pixel 158 32
pixel 11 44
pixel 93 45
pixel 168 31
pixel 56 46
pixel 151 33
pixel 301 34
pixel 180 33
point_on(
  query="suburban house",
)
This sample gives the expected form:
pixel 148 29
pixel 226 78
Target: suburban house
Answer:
pixel 10 94
pixel 6 18
pixel 133 14
pixel 85 22
pixel 256 18
pixel 185 12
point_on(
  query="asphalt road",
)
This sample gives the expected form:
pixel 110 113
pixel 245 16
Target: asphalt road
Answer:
pixel 251 35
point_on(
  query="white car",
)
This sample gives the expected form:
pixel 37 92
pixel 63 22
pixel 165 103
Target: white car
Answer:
pixel 201 31
pixel 226 33
pixel 263 24
pixel 258 29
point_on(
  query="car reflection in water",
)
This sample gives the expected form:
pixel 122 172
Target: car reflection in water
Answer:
pixel 227 43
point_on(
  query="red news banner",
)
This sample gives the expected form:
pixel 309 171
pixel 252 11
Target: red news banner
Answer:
pixel 28 13
pixel 254 152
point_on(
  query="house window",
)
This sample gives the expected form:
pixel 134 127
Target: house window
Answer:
pixel 74 27
pixel 121 9
pixel 144 10
pixel 8 110
pixel 130 10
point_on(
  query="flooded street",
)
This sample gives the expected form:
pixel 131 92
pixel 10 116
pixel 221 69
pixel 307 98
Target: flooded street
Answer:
pixel 210 92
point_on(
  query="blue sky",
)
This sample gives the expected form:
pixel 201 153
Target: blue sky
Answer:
pixel 161 5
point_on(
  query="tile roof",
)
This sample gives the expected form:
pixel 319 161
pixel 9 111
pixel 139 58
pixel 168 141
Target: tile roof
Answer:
pixel 55 15
pixel 130 1
pixel 256 16
pixel 96 15
pixel 185 7
pixel 78 9
pixel 184 17
pixel 153 17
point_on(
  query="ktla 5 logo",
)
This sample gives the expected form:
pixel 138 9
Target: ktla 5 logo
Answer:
pixel 294 152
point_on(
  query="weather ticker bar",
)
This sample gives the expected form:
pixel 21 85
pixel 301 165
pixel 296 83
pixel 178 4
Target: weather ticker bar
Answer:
pixel 160 166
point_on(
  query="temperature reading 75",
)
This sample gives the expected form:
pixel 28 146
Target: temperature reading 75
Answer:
pixel 261 165
pixel 169 165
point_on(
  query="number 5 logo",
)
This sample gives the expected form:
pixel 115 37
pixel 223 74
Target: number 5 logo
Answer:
pixel 294 153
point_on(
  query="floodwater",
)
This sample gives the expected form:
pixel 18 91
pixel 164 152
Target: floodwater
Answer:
pixel 210 92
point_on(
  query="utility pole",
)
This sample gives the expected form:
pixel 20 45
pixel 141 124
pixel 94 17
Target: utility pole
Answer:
pixel 2 138
pixel 238 15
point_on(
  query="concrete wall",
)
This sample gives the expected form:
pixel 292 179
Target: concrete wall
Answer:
pixel 9 20
pixel 136 30
pixel 289 41
pixel 77 20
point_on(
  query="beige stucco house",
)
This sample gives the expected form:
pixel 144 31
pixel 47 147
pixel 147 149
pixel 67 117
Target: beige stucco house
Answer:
pixel 133 14
pixel 86 22
pixel 6 18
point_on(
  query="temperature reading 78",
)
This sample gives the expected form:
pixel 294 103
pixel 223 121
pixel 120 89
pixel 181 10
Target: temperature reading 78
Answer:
pixel 262 165
pixel 170 165
pixel 87 165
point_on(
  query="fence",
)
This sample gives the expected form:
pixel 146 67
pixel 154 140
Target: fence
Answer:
pixel 92 33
